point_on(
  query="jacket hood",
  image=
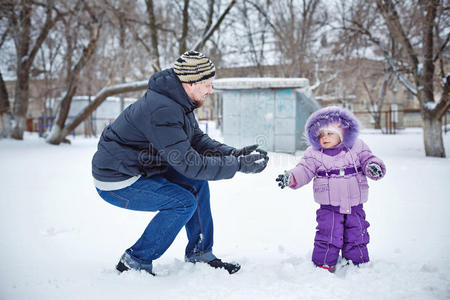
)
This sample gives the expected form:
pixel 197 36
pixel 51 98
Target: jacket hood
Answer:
pixel 168 84
pixel 330 115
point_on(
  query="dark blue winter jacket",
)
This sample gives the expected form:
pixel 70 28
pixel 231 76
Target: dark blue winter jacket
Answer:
pixel 159 130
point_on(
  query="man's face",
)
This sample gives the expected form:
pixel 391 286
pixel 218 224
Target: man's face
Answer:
pixel 199 91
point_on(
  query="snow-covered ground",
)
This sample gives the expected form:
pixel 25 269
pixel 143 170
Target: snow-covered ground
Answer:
pixel 59 240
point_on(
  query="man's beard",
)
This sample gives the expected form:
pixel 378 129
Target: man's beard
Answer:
pixel 199 103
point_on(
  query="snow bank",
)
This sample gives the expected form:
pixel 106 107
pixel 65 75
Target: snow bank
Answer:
pixel 61 241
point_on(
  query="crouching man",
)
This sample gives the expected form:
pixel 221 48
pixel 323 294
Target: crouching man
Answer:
pixel 154 157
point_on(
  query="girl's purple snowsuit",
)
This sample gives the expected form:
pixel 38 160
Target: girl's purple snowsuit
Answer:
pixel 340 186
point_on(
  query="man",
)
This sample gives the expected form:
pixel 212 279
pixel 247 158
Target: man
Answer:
pixel 154 157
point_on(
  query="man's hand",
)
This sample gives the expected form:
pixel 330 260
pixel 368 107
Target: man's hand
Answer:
pixel 247 150
pixel 284 180
pixel 374 170
pixel 252 163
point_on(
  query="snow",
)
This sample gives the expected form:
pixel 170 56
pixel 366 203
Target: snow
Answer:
pixel 445 79
pixel 109 99
pixel 61 241
pixel 430 105
pixel 265 82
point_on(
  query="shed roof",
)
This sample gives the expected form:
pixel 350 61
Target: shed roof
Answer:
pixel 238 83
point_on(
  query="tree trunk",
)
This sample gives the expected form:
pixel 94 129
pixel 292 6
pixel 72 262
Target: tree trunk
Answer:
pixel 432 120
pixel 5 125
pixel 153 35
pixel 4 98
pixel 428 52
pixel 377 119
pixel 184 32
pixel 21 104
pixel 63 113
pixel 122 63
pixel 5 119
pixel 376 105
pixel 432 136
pixel 26 50
pixel 432 128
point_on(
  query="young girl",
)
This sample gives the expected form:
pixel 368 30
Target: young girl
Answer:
pixel 339 163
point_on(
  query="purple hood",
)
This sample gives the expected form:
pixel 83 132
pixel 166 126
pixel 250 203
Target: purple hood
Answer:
pixel 328 115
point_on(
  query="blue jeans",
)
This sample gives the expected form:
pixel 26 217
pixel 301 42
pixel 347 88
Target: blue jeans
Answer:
pixel 181 201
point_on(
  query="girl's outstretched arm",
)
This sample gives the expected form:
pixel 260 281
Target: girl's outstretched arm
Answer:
pixel 305 170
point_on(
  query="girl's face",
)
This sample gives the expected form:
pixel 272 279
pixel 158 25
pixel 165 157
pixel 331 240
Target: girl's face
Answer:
pixel 328 139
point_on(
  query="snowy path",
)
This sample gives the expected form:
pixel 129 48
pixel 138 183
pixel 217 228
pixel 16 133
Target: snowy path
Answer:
pixel 61 241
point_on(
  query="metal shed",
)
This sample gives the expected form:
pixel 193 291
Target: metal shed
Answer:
pixel 271 112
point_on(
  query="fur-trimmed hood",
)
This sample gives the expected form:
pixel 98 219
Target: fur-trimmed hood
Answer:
pixel 327 116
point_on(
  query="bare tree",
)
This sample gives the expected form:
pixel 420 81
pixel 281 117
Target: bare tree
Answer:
pixel 416 35
pixel 210 29
pixel 256 32
pixel 375 104
pixel 296 27
pixel 127 17
pixel 50 64
pixel 93 24
pixel 120 15
pixel 23 30
pixel 158 27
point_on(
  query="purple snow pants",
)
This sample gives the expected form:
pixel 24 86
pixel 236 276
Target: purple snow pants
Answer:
pixel 336 231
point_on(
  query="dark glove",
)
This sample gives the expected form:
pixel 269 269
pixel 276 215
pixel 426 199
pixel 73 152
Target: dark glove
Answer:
pixel 250 164
pixel 374 170
pixel 247 150
pixel 284 180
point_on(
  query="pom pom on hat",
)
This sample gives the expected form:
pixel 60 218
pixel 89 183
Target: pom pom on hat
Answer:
pixel 193 67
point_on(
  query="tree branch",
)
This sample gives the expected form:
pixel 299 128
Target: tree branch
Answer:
pixel 441 49
pixel 184 32
pixel 444 104
pixel 49 23
pixel 73 76
pixel 216 26
pixel 100 97
pixel 210 16
pixel 155 67
pixel 10 11
pixel 4 101
pixel 153 34
pixel 264 14
pixel 371 100
pixel 387 55
pixel 392 21
pixel 158 26
pixel 5 35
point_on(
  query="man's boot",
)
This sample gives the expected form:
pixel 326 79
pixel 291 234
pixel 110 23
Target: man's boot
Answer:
pixel 230 267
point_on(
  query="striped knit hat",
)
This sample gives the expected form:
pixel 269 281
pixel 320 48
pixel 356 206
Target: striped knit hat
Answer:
pixel 194 66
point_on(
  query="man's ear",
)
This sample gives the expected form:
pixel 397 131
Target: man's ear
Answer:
pixel 187 88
